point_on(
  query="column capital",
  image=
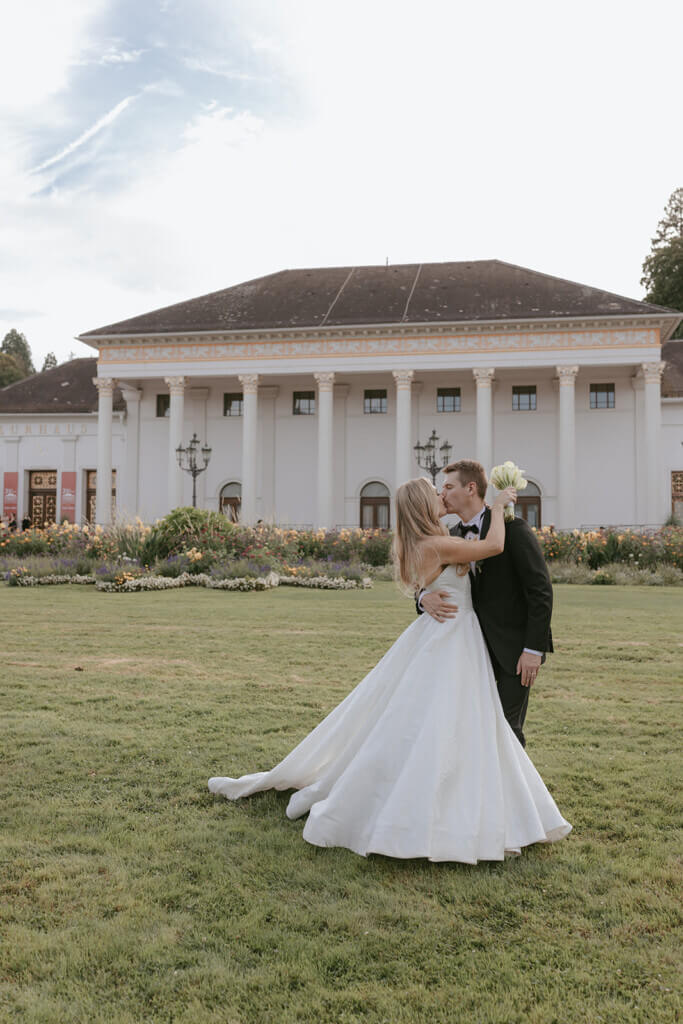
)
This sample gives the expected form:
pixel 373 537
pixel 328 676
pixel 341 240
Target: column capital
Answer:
pixel 652 371
pixel 176 385
pixel 130 395
pixel 403 378
pixel 567 375
pixel 325 381
pixel 249 382
pixel 484 376
pixel 104 385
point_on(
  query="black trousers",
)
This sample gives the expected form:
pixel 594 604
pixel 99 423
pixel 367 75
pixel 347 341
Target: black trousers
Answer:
pixel 513 696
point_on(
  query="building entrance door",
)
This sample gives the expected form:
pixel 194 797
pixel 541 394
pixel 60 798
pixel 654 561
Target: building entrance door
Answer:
pixel 91 494
pixel 42 497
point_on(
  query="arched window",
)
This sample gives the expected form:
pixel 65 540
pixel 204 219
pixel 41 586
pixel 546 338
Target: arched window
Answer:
pixel 528 505
pixel 374 506
pixel 231 500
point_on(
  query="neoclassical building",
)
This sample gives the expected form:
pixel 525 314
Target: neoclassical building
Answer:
pixel 312 388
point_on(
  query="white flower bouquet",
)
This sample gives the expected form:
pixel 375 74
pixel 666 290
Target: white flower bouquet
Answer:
pixel 508 475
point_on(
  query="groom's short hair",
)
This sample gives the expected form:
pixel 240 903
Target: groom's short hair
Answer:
pixel 470 471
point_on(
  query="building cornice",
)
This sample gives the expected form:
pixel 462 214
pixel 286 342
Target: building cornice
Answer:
pixel 666 324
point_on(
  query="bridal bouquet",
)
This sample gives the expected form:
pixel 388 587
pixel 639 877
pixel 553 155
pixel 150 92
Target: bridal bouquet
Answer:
pixel 508 475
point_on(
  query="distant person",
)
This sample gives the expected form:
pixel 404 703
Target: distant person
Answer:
pixel 12 525
pixel 26 523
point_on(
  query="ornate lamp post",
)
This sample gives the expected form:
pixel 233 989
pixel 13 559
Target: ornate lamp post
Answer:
pixel 187 460
pixel 426 455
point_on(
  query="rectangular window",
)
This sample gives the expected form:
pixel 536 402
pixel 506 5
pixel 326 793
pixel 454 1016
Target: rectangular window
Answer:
pixel 375 401
pixel 602 396
pixel 448 400
pixel 232 404
pixel 163 405
pixel 303 403
pixel 524 398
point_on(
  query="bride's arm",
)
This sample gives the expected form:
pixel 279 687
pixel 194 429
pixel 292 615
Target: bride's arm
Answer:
pixel 457 550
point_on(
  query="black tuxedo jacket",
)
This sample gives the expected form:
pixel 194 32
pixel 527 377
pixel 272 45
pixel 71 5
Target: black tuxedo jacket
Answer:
pixel 513 596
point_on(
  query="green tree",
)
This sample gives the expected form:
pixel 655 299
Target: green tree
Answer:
pixel 663 268
pixel 15 344
pixel 10 372
pixel 50 362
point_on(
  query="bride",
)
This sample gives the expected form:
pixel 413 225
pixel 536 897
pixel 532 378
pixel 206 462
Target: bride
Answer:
pixel 418 760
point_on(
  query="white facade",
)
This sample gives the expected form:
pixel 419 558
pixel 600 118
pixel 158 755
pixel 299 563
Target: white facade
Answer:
pixel 592 466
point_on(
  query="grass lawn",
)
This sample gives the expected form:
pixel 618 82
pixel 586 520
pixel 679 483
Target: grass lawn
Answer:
pixel 129 895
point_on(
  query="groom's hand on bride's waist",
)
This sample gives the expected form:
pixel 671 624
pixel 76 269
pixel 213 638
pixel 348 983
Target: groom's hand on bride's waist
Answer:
pixel 439 605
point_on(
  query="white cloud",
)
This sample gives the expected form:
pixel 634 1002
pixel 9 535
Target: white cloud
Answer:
pixel 41 40
pixel 456 132
pixel 100 124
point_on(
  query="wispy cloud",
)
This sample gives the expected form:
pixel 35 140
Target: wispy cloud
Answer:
pixel 112 55
pixel 115 56
pixel 195 64
pixel 99 125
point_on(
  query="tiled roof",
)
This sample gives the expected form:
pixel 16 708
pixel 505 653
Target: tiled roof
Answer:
pixel 672 380
pixel 68 388
pixel 487 290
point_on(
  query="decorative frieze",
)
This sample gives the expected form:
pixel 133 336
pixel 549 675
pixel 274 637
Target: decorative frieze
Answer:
pixel 226 349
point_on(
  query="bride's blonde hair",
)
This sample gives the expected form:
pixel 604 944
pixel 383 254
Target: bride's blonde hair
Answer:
pixel 417 517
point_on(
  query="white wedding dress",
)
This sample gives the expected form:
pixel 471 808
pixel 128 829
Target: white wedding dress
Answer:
pixel 418 760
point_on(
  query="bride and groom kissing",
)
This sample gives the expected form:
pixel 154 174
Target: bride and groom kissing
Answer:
pixel 425 756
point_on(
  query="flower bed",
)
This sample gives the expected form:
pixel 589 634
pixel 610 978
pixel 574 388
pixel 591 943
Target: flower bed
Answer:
pixel 192 542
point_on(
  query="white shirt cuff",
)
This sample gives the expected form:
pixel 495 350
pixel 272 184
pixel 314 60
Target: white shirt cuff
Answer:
pixel 528 650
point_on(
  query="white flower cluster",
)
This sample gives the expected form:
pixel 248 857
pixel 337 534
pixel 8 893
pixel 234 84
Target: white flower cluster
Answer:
pixel 39 581
pixel 134 584
pixel 508 475
pixel 326 583
pixel 129 584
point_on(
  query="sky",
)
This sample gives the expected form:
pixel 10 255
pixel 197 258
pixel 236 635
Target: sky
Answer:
pixel 156 150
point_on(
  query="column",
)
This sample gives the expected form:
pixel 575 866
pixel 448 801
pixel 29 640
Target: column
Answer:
pixel 176 387
pixel 105 390
pixel 484 444
pixel 249 382
pixel 128 486
pixel 267 398
pixel 566 448
pixel 404 451
pixel 325 409
pixel 652 376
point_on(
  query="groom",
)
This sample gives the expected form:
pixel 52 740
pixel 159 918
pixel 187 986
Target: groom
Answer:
pixel 511 592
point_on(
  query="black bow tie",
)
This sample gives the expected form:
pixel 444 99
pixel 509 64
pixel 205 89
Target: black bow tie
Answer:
pixel 473 528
